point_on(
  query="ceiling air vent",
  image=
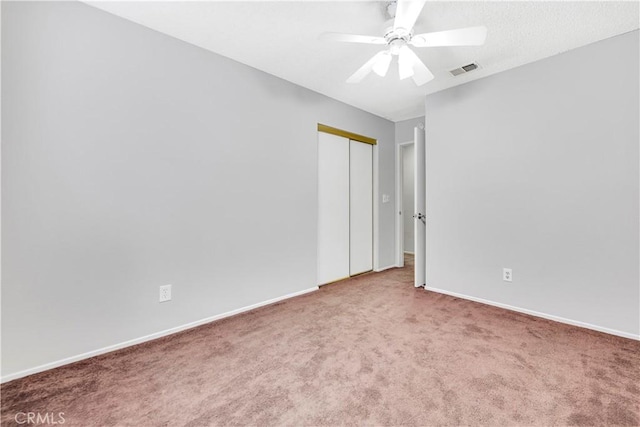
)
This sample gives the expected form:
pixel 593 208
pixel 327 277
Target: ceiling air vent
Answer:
pixel 464 69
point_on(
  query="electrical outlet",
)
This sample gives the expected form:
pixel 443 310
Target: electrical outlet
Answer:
pixel 507 274
pixel 165 293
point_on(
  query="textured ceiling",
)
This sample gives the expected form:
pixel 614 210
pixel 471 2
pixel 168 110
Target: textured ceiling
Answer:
pixel 281 38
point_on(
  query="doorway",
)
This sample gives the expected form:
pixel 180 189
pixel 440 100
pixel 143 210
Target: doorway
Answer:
pixel 405 159
pixel 411 220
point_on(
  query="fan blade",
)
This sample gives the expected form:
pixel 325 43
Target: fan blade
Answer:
pixel 351 38
pixel 362 72
pixel 472 36
pixel 407 11
pixel 405 63
pixel 421 73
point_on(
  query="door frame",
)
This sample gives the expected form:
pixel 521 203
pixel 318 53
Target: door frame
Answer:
pixel 399 202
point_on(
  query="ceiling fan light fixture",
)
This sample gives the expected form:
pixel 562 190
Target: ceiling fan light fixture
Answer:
pixel 382 64
pixel 405 64
pixel 396 45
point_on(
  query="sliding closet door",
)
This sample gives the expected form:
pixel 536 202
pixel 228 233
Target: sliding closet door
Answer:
pixel 360 207
pixel 333 208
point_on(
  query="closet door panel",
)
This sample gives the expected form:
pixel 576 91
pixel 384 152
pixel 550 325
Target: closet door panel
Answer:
pixel 360 207
pixel 333 208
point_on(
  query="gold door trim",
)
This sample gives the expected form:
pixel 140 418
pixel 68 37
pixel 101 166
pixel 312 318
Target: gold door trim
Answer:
pixel 346 134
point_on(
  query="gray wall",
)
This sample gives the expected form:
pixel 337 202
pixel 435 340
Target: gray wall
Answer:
pixel 404 129
pixel 132 160
pixel 408 165
pixel 536 169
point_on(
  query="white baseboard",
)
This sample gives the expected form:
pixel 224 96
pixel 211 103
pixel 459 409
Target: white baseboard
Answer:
pixel 379 269
pixel 146 338
pixel 538 314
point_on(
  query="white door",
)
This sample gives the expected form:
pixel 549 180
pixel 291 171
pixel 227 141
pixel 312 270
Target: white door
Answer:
pixel 333 208
pixel 420 193
pixel 361 207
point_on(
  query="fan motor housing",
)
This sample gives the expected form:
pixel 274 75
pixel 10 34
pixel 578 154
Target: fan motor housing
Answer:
pixel 393 34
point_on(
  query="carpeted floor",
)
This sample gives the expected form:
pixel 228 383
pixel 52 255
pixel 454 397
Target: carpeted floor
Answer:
pixel 371 350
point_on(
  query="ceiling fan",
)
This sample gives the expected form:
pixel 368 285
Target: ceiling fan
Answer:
pixel 400 36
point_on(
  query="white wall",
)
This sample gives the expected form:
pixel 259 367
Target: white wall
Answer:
pixel 536 169
pixel 407 195
pixel 132 160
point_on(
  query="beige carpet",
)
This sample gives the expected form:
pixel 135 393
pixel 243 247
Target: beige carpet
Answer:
pixel 367 351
